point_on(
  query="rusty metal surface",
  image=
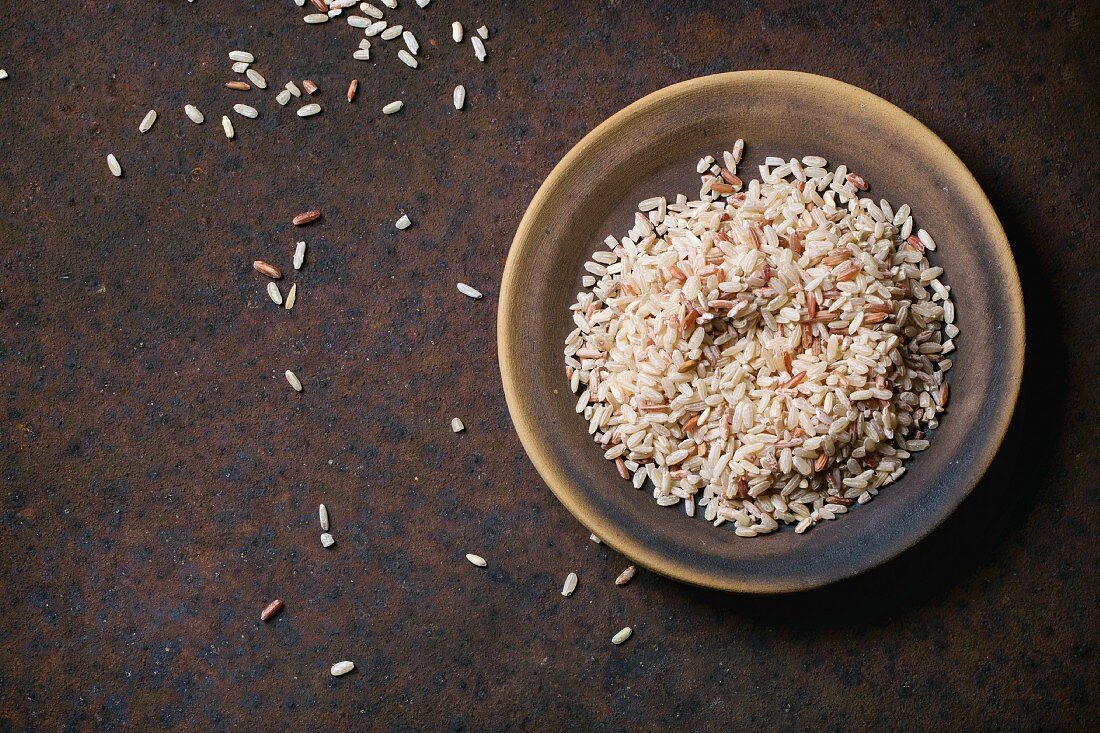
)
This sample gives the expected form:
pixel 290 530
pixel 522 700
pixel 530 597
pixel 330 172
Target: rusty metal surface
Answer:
pixel 160 480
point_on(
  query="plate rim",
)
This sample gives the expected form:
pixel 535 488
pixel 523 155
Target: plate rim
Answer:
pixel 569 495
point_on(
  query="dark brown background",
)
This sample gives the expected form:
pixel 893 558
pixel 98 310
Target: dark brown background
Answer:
pixel 160 478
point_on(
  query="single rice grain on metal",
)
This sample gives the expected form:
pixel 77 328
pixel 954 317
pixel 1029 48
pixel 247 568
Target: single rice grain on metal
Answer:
pixel 393 107
pixel 299 255
pixel 459 96
pixel 456 32
pixel 468 291
pixel 404 222
pixel 292 378
pixel 194 114
pixel 240 86
pixel 227 126
pixel 353 88
pixel 622 635
pixel 457 426
pixel 410 41
pixel 240 67
pixel 113 164
pixel 306 217
pixel 362 54
pixel 327 540
pixel 266 269
pixel 283 97
pixel 271 609
pixel 147 121
pixel 407 58
pixel 322 515
pixel 476 559
pixel 291 296
pixel 315 18
pixel 625 576
pixel 595 539
pixel 479 48
pixel 293 89
pixel 483 31
pixel 570 585
pixel 245 111
pixel 309 110
pixel 244 56
pixel 341 668
pixel 370 10
pixel 274 294
pixel 392 32
pixel 309 86
pixel 256 78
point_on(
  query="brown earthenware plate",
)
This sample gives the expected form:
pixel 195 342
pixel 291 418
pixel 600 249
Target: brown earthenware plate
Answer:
pixel 651 148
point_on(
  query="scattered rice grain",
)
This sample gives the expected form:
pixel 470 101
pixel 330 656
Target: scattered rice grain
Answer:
pixel 113 164
pixel 622 635
pixel 294 381
pixel 479 48
pixel 147 121
pixel 476 559
pixel 468 291
pixel 271 609
pixel 625 576
pixel 342 668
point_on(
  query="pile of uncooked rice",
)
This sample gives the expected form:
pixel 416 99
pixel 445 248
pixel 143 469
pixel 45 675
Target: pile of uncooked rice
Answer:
pixel 771 352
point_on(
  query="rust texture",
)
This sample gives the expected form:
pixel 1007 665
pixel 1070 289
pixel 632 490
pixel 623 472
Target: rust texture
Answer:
pixel 161 480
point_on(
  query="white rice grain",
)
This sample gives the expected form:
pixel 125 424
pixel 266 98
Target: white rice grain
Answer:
pixel 147 121
pixel 459 96
pixel 622 635
pixel 393 107
pixel 113 164
pixel 194 114
pixel 292 378
pixel 468 291
pixel 341 668
pixel 570 585
pixel 476 560
pixel 256 78
pixel 456 32
pixel 479 48
pixel 309 110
